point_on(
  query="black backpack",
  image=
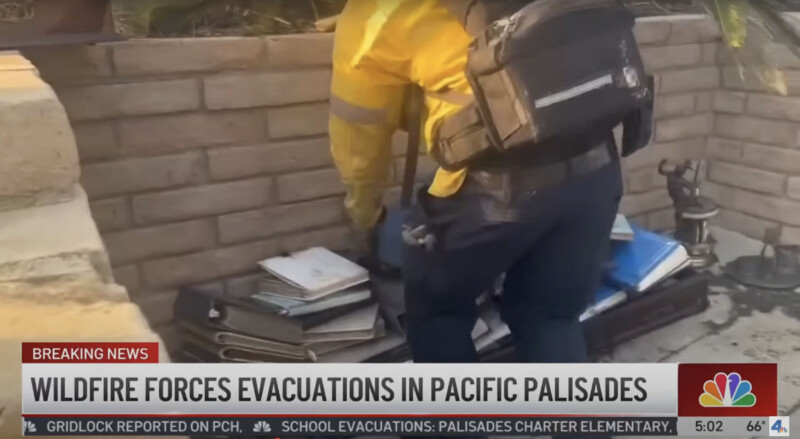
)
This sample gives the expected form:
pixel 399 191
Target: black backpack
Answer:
pixel 543 70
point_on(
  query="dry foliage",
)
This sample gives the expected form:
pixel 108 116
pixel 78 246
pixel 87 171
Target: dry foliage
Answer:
pixel 174 18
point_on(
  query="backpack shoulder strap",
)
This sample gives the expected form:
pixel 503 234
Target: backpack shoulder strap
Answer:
pixel 414 103
pixel 470 13
pixel 476 15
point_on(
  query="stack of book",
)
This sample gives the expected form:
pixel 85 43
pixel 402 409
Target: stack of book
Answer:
pixel 311 306
pixel 641 260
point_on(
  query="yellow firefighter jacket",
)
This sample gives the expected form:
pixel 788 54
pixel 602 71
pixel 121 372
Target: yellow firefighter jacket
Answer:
pixel 382 46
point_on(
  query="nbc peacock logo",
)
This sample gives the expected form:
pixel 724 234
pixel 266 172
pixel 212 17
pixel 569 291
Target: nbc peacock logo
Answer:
pixel 727 390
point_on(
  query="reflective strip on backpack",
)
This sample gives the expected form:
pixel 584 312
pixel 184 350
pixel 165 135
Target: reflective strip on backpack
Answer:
pixel 356 113
pixel 578 90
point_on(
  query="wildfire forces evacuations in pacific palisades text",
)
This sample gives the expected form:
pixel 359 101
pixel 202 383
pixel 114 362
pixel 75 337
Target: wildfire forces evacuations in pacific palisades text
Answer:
pixel 339 389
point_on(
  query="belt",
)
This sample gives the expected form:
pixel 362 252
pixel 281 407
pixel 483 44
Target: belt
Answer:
pixel 542 176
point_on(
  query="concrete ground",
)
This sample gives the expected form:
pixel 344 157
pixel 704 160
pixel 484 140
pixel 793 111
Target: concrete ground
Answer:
pixel 740 325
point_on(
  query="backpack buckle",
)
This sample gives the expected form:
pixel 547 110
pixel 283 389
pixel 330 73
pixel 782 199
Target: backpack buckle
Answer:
pixel 500 30
pixel 631 77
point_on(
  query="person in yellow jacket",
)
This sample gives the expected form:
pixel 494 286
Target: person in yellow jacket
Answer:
pixel 548 236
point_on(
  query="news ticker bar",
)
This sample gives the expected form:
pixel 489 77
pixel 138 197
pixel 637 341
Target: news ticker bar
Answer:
pixel 286 426
pixel 347 426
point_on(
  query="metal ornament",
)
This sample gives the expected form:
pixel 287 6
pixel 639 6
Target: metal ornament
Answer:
pixel 781 271
pixel 692 212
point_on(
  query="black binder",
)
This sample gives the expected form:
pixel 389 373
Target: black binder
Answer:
pixel 213 310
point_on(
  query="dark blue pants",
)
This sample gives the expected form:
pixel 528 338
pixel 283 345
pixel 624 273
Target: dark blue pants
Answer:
pixel 551 244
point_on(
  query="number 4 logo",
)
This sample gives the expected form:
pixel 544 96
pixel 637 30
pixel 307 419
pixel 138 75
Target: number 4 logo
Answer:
pixel 779 426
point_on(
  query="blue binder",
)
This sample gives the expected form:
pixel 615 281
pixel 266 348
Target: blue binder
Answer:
pixel 638 264
pixel 643 262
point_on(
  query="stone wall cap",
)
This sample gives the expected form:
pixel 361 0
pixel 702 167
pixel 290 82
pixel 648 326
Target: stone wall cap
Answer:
pixel 54 240
pixel 12 60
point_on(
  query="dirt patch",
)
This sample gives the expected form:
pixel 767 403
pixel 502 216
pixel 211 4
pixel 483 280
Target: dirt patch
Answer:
pixel 748 299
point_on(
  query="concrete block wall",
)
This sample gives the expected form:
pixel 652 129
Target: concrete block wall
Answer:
pixel 202 156
pixel 681 53
pixel 755 146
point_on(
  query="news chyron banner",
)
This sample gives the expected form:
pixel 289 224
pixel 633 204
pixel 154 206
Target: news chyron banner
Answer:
pixel 122 389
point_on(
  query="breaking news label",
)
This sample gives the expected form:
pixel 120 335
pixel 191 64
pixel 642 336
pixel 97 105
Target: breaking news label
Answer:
pixel 121 389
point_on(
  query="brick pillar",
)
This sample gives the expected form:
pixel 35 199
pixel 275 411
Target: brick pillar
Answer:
pixel 56 282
